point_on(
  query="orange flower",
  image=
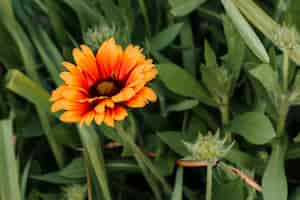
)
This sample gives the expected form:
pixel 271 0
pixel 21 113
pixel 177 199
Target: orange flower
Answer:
pixel 100 88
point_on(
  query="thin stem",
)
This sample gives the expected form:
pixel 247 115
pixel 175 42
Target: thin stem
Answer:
pixel 152 183
pixel 209 179
pixel 284 108
pixel 88 177
pixel 140 156
pixel 224 109
pixel 284 105
pixel 225 116
pixel 285 71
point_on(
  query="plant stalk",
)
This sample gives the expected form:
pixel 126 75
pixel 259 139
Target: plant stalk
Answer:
pixel 88 176
pixel 140 156
pixel 209 179
pixel 225 116
pixel 285 71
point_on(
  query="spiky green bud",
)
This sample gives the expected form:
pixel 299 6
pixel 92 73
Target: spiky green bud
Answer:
pixel 96 35
pixel 208 148
pixel 287 37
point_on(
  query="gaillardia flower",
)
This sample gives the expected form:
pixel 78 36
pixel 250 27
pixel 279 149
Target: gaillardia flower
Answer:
pixel 101 87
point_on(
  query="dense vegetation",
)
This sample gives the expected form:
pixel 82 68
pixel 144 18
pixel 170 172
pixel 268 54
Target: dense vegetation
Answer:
pixel 226 118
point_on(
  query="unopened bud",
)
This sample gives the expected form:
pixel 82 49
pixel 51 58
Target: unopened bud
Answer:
pixel 208 148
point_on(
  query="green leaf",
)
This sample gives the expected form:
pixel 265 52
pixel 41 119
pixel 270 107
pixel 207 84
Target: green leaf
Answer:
pixel 76 169
pixel 255 127
pixel 245 160
pixel 8 164
pixel 209 55
pixel 183 105
pixel 175 140
pixel 91 143
pixel 187 40
pixel 274 180
pixel 263 22
pixel 234 59
pixel 178 189
pixel 66 135
pixel 234 190
pixel 266 76
pixel 19 83
pixel 185 7
pixel 187 86
pixel 87 15
pixel 56 21
pixel 247 33
pixel 55 178
pixel 165 37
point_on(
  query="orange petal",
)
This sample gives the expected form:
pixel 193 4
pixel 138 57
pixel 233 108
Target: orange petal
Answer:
pixel 58 105
pixel 109 118
pixel 143 97
pixel 100 108
pixel 69 105
pixel 108 58
pixel 86 60
pixel 132 57
pixel 87 118
pixel 120 113
pixel 71 116
pixel 99 117
pixel 73 80
pixel 73 93
pixel 139 74
pixel 57 93
pixel 70 67
pixel 124 95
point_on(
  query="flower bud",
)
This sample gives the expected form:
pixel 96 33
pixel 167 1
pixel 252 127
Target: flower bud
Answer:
pixel 208 148
pixel 96 35
pixel 287 37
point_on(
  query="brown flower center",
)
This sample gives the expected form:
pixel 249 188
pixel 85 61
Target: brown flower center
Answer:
pixel 105 88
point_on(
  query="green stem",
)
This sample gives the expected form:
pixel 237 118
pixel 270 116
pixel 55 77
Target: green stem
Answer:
pixel 225 116
pixel 88 175
pixel 284 108
pixel 285 71
pixel 284 105
pixel 224 109
pixel 152 183
pixel 209 179
pixel 140 156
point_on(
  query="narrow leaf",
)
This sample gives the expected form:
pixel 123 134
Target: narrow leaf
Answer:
pixel 165 37
pixel 185 7
pixel 8 164
pixel 247 33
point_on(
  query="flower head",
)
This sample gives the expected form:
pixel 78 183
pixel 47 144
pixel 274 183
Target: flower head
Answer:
pixel 101 87
pixel 208 148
